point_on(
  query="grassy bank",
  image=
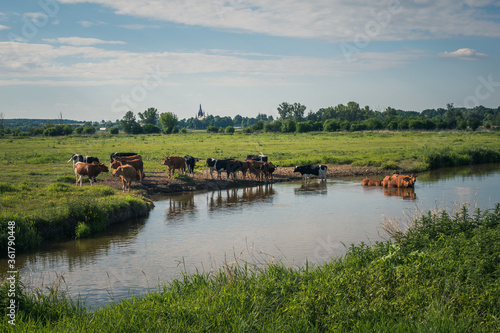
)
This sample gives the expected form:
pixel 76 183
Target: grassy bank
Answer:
pixel 60 211
pixel 441 275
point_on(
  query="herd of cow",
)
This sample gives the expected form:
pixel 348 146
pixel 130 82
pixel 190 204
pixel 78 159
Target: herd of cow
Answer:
pixel 130 167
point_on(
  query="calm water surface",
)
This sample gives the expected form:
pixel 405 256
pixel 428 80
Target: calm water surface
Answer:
pixel 290 222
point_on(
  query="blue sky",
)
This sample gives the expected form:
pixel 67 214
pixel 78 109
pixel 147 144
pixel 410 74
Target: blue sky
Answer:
pixel 96 59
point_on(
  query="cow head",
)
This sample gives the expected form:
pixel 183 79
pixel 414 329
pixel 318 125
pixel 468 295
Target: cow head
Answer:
pixel 297 169
pixel 102 167
pixel 166 160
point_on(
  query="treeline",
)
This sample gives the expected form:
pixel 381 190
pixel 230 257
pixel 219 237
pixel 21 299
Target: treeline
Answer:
pixel 352 117
pixel 292 118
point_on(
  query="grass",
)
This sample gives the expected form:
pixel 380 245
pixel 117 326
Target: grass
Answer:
pixel 36 182
pixel 442 274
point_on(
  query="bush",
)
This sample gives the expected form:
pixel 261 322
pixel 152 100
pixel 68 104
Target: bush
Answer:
pixel 79 130
pixel 331 125
pixel 148 129
pixel 288 126
pixel 183 130
pixel 258 126
pixel 88 130
pixel 212 129
pixel 229 130
pixel 304 127
pixel 274 126
pixel 114 130
pixel 247 130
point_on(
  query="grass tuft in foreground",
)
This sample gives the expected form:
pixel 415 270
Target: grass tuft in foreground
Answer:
pixel 442 274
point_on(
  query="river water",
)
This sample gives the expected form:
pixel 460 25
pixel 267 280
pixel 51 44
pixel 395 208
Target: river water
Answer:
pixel 289 222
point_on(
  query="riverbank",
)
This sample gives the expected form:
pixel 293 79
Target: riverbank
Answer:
pixel 159 182
pixel 442 274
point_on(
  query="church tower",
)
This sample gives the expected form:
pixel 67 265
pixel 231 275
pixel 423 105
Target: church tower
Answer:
pixel 201 114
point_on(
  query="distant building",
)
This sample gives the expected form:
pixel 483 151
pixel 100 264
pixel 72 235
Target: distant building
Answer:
pixel 201 114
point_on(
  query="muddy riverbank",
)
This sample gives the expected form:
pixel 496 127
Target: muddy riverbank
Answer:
pixel 159 182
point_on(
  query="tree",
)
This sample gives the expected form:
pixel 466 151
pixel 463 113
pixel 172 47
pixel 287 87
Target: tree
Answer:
pixel 293 111
pixel 129 124
pixel 168 122
pixel 229 130
pixel 288 126
pixel 149 116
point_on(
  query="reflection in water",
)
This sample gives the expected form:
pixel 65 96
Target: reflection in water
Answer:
pixel 476 171
pixel 405 193
pixel 77 254
pixel 312 188
pixel 180 204
pixel 235 197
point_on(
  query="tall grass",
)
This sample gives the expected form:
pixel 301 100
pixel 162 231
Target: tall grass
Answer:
pixel 441 275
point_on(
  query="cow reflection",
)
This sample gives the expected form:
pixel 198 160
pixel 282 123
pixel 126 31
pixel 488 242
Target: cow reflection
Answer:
pixel 181 204
pixel 236 197
pixel 312 188
pixel 405 193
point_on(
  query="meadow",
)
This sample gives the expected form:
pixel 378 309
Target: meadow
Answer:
pixel 441 275
pixel 37 183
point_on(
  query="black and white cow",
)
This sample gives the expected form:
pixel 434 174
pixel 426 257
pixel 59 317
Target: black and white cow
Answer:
pixel 82 158
pixel 113 155
pixel 260 157
pixel 314 170
pixel 227 165
pixel 190 163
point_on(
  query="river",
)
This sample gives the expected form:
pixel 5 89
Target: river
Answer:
pixel 289 222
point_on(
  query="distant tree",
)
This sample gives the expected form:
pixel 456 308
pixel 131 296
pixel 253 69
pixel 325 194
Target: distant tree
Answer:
pixel 212 129
pixel 288 126
pixel 331 125
pixel 474 123
pixel 229 130
pixel 168 122
pixel 88 130
pixel 258 126
pixel 304 126
pixel 285 111
pixel 129 124
pixel 149 128
pixel 149 116
pixel 114 130
pixel 237 120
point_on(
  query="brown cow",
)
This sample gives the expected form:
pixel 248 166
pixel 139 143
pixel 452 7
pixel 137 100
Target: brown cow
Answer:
pixel 371 182
pixel 136 163
pixel 255 168
pixel 127 173
pixel 91 170
pixel 267 170
pixel 174 162
pixel 401 181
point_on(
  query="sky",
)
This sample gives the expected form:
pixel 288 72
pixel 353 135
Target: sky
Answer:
pixel 95 60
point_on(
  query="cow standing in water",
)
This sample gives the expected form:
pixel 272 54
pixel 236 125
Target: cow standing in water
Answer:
pixel 312 169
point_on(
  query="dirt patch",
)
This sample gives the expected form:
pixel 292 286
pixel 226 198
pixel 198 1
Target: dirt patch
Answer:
pixel 158 182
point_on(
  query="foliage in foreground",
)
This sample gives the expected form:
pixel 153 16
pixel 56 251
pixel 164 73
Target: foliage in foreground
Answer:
pixel 443 274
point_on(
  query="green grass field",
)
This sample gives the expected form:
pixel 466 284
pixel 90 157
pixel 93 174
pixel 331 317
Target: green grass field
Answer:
pixel 443 275
pixel 36 182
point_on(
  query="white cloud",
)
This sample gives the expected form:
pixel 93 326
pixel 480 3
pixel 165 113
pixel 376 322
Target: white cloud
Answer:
pixel 139 26
pixel 32 64
pixel 3 27
pixel 465 54
pixel 79 41
pixel 88 24
pixel 332 20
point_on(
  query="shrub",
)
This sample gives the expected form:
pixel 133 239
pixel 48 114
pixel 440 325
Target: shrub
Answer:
pixel 114 130
pixel 212 129
pixel 247 130
pixel 331 125
pixel 148 129
pixel 183 130
pixel 229 130
pixel 304 126
pixel 274 126
pixel 288 126
pixel 88 130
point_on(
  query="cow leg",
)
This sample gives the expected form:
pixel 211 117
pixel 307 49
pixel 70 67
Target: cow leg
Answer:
pixel 211 173
pixel 124 185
